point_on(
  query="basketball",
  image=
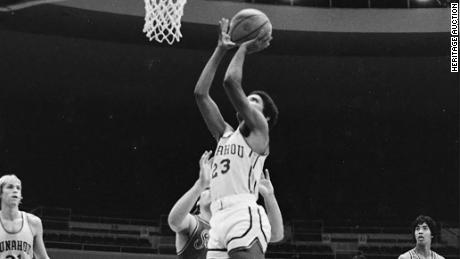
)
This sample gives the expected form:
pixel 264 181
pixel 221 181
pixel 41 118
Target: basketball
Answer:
pixel 247 24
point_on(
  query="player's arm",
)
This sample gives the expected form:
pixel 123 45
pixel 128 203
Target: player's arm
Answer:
pixel 37 229
pixel 179 218
pixel 208 108
pixel 273 210
pixel 233 87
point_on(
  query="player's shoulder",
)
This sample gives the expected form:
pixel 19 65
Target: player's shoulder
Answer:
pixel 191 223
pixel 438 256
pixel 32 219
pixel 229 130
pixel 224 135
pixel 405 255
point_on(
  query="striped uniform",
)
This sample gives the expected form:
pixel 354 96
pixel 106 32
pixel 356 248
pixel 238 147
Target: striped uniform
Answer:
pixel 237 220
pixel 196 245
pixel 17 245
pixel 414 255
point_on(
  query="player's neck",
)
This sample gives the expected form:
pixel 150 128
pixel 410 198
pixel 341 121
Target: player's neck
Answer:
pixel 423 250
pixel 10 213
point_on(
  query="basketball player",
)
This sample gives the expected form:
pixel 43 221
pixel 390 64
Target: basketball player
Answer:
pixel 424 231
pixel 192 230
pixel 21 233
pixel 239 227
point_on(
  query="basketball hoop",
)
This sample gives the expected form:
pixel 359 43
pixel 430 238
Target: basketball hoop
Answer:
pixel 162 19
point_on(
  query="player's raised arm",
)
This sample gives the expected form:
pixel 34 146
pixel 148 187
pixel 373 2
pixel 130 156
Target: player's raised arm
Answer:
pixel 208 108
pixel 179 217
pixel 273 210
pixel 253 118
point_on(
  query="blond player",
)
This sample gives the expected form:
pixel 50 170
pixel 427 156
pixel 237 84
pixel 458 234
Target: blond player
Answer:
pixel 192 229
pixel 21 233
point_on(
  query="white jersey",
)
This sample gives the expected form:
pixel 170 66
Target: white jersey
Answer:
pixel 17 245
pixel 414 255
pixel 236 168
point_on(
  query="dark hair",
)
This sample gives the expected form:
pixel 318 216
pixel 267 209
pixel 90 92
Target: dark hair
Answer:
pixel 429 221
pixel 196 208
pixel 270 109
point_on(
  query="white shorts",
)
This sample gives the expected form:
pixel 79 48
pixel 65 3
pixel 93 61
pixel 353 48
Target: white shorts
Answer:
pixel 237 222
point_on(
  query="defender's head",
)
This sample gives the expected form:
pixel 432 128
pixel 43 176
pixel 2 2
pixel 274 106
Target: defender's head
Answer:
pixel 203 202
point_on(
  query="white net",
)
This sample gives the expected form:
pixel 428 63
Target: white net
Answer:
pixel 162 19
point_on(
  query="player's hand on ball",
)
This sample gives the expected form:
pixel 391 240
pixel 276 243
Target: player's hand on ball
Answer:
pixel 261 42
pixel 266 186
pixel 224 38
pixel 205 169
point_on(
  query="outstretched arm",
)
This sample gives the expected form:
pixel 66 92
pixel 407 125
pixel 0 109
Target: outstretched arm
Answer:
pixel 232 84
pixel 273 210
pixel 179 218
pixel 39 244
pixel 208 108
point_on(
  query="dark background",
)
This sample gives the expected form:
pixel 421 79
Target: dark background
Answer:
pixel 95 118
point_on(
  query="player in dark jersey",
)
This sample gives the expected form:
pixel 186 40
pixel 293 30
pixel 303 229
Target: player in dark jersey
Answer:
pixel 424 231
pixel 192 229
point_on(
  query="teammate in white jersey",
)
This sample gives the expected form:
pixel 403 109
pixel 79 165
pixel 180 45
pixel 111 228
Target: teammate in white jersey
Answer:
pixel 21 233
pixel 239 227
pixel 424 231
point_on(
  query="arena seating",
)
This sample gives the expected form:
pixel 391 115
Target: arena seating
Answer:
pixel 303 238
